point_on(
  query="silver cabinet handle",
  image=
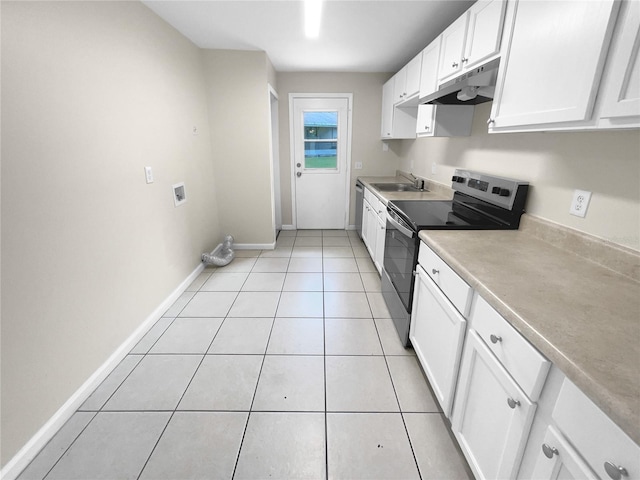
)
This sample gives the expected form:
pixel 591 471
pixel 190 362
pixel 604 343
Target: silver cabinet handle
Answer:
pixel 434 271
pixel 513 403
pixel 454 65
pixel 495 338
pixel 490 121
pixel 299 174
pixel 548 451
pixel 465 60
pixel 614 471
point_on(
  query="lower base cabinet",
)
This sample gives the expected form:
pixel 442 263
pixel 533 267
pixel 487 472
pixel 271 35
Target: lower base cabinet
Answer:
pixel 491 415
pixel 558 460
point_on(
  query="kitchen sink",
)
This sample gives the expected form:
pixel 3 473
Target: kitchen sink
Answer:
pixel 397 187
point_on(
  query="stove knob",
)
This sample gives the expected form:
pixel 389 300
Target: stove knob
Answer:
pixel 495 190
pixel 505 192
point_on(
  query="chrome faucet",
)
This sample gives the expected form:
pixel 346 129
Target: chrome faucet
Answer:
pixel 416 181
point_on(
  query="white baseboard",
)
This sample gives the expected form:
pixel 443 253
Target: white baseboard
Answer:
pixel 28 452
pixel 254 246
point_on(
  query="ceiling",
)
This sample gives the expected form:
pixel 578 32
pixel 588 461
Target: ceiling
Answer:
pixel 355 35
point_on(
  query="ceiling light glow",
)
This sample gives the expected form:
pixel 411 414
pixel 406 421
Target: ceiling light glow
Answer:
pixel 312 17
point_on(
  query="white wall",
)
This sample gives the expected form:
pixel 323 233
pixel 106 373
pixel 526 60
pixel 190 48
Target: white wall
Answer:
pixel 366 146
pixel 91 93
pixel 238 100
pixel 605 163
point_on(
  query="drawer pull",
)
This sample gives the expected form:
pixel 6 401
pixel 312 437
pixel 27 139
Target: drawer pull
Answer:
pixel 434 271
pixel 614 471
pixel 495 338
pixel 548 451
pixel 513 403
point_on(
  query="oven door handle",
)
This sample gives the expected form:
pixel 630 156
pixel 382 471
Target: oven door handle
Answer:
pixel 401 227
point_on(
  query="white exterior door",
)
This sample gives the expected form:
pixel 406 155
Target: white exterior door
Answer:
pixel 321 130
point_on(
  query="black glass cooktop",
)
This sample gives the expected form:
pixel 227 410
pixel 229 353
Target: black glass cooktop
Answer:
pixel 443 214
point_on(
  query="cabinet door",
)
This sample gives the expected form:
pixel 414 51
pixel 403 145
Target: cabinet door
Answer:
pixel 413 69
pixel 380 239
pixel 484 31
pixel 436 333
pixel 424 124
pixel 558 460
pixel 399 85
pixel 372 225
pixel 366 208
pixel 429 68
pixel 622 91
pixel 551 72
pixel 453 47
pixel 491 415
pixel 387 109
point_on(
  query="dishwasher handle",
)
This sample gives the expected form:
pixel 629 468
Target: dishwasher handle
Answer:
pixel 400 225
pixel 359 188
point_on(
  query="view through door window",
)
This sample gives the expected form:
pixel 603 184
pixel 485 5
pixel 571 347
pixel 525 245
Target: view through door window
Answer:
pixel 320 140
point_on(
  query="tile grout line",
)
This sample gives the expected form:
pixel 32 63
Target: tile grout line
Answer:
pixel 204 355
pixel 255 390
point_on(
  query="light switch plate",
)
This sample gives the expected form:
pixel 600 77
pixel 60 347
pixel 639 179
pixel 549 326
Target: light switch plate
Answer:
pixel 580 203
pixel 358 165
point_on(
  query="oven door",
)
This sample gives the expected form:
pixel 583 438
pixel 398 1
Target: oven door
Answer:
pixel 400 256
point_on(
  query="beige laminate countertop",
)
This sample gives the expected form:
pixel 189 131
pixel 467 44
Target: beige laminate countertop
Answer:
pixel 583 316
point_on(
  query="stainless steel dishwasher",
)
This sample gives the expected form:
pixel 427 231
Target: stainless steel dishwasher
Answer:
pixel 359 201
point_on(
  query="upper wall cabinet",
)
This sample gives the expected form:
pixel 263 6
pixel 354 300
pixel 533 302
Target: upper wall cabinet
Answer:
pixel 429 71
pixel 397 122
pixel 621 84
pixel 472 38
pixel 552 65
pixel 407 83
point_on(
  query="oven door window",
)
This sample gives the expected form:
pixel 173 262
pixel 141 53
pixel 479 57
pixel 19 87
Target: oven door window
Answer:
pixel 399 260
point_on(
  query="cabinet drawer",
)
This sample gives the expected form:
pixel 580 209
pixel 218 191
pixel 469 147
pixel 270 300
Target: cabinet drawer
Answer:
pixel 370 196
pixel 527 366
pixel 593 434
pixel 454 287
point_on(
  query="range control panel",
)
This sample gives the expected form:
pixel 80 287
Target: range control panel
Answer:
pixel 499 191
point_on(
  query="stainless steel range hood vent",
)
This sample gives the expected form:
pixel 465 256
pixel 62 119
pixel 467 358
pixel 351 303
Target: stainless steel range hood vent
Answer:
pixel 471 88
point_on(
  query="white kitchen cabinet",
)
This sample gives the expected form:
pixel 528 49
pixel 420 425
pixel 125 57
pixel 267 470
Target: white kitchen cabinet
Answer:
pixel 436 333
pixel 429 68
pixel 621 83
pixel 472 38
pixel 381 225
pixel 407 82
pixel 397 122
pixel 558 460
pixel 365 221
pixel 491 414
pixel 599 441
pixel 552 64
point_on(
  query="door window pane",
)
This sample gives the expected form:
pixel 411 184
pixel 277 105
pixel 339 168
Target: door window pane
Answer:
pixel 320 133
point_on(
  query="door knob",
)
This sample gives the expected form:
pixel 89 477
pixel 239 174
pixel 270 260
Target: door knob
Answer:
pixel 298 174
pixel 298 165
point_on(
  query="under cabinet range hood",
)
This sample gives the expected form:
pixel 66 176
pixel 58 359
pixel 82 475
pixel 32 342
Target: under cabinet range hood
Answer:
pixel 471 88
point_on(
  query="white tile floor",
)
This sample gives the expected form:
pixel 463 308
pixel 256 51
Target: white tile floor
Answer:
pixel 283 364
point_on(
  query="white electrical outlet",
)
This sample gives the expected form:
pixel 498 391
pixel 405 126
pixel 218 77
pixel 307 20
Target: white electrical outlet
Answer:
pixel 194 130
pixel 358 165
pixel 148 173
pixel 580 203
pixel 385 147
pixel 434 168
